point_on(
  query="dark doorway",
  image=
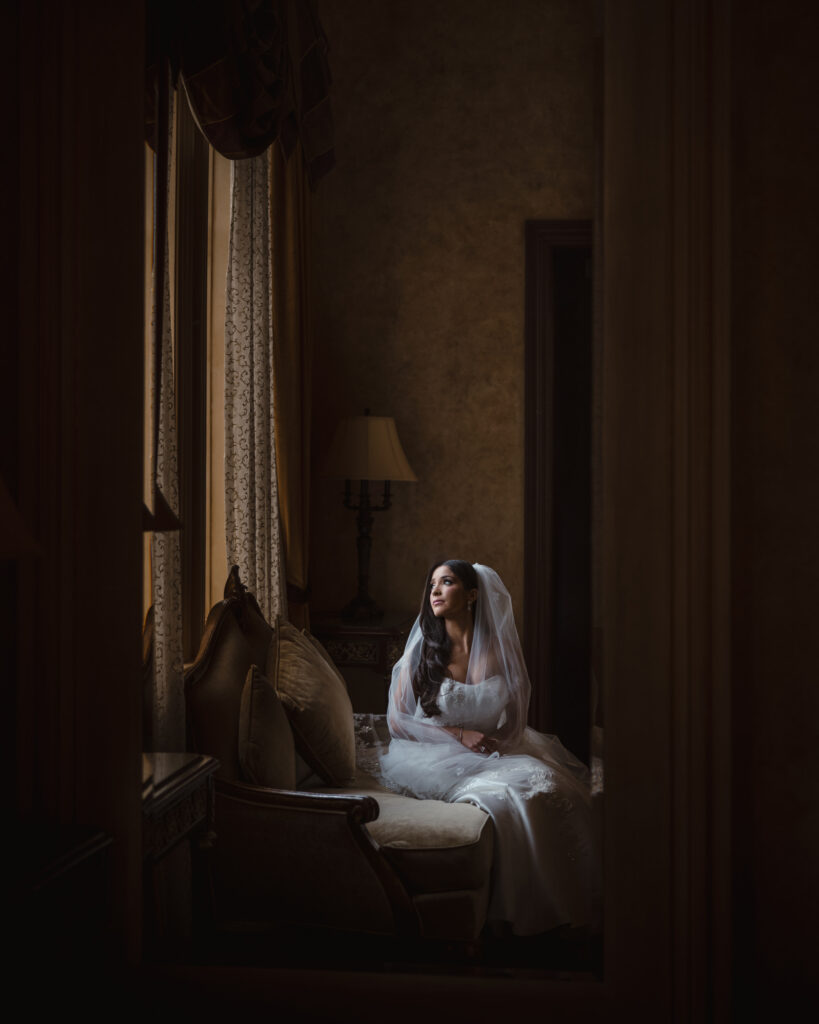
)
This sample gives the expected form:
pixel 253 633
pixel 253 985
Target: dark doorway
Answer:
pixel 557 551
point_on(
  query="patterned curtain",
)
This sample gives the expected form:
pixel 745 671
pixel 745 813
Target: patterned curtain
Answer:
pixel 169 699
pixel 251 491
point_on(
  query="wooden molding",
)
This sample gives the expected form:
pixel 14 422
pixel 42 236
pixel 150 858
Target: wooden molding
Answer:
pixel 542 237
pixel 666 529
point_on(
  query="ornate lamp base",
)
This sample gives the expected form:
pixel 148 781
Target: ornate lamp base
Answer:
pixel 363 608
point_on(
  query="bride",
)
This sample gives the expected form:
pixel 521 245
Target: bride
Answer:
pixel 457 717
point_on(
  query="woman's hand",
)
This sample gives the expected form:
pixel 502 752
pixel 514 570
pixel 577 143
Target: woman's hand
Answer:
pixel 478 742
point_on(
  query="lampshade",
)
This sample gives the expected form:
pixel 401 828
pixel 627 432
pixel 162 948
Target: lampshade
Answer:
pixel 367 448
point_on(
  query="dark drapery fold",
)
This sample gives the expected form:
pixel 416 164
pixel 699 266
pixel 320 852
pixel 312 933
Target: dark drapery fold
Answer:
pixel 290 210
pixel 254 71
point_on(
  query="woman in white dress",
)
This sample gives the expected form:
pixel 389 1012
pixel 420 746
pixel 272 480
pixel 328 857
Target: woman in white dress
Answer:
pixel 457 717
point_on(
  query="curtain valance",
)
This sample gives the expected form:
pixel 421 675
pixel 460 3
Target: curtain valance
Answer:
pixel 254 71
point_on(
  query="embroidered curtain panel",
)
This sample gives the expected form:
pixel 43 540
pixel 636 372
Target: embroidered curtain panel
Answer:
pixel 251 486
pixel 255 74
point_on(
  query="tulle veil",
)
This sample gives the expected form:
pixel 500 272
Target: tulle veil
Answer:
pixel 495 651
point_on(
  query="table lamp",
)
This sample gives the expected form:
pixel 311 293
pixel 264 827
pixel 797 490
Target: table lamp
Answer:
pixel 366 448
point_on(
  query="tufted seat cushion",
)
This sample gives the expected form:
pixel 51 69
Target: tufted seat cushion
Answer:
pixel 434 846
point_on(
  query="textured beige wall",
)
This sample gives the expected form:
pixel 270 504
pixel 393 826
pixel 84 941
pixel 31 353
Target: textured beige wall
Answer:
pixel 456 121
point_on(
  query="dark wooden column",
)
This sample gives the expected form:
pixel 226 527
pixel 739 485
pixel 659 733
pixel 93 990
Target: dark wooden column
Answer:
pixel 76 240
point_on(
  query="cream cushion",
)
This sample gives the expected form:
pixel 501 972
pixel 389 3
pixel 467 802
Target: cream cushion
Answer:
pixel 267 754
pixel 316 701
pixel 434 846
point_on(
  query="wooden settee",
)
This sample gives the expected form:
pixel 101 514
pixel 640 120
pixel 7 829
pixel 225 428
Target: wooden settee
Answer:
pixel 305 833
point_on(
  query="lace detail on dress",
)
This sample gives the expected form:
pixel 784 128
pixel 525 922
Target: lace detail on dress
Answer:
pixel 474 706
pixel 478 782
pixel 541 780
pixel 372 739
pixel 537 781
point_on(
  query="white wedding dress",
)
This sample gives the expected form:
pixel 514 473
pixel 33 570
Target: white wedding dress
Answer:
pixel 545 868
pixel 537 795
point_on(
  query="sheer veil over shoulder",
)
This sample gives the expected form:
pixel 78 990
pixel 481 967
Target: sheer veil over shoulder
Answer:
pixel 495 652
pixel 537 793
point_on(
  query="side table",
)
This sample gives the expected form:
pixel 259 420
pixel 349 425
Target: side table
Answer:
pixel 365 653
pixel 177 832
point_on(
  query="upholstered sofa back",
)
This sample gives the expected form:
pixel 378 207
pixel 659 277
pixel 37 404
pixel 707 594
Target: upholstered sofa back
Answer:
pixel 236 636
pixel 305 834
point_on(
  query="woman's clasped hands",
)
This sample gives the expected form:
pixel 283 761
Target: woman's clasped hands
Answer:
pixel 478 742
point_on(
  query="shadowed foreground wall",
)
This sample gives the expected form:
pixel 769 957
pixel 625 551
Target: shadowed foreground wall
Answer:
pixel 71 392
pixel 455 122
pixel 775 498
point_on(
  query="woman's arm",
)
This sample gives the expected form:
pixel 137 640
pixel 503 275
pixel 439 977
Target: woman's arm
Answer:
pixel 472 739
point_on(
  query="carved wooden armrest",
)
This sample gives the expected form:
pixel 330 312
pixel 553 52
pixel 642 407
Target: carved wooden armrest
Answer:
pixel 359 809
pixel 317 842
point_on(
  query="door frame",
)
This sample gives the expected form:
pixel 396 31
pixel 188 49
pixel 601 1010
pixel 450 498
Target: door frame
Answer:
pixel 542 238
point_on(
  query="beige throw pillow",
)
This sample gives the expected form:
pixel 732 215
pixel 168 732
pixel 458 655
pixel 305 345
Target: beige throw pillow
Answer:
pixel 323 652
pixel 316 702
pixel 267 754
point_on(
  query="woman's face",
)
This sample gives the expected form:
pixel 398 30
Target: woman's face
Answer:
pixel 448 597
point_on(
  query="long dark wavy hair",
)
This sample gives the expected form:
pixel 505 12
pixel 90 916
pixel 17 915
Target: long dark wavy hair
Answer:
pixel 436 648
